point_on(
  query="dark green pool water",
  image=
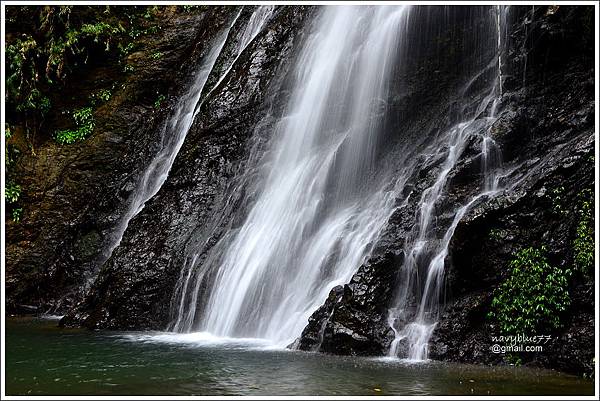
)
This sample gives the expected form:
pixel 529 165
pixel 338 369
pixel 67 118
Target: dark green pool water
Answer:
pixel 42 359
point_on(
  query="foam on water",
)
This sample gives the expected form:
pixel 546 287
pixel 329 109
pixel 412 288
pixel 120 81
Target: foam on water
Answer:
pixel 200 339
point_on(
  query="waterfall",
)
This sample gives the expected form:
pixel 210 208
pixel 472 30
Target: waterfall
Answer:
pixel 177 126
pixel 173 134
pixel 323 198
pixel 426 252
pixel 255 24
pixel 257 21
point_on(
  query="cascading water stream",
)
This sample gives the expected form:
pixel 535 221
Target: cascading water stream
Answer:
pixel 176 128
pixel 173 134
pixel 322 201
pixel 426 249
pixel 255 24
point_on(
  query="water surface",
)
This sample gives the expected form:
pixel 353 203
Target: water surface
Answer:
pixel 42 359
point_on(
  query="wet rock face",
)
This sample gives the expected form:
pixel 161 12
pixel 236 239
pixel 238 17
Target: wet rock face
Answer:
pixel 74 194
pixel 352 320
pixel 546 136
pixel 135 286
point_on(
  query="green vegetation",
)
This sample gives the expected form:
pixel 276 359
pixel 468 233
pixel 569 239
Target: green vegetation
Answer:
pixel 48 49
pixel 100 96
pixel 12 192
pixel 150 12
pixel 158 101
pixel 16 214
pixel 46 45
pixel 156 55
pixel 126 49
pixel 514 358
pixel 11 153
pixel 557 195
pixel 38 61
pixel 35 101
pixel 84 121
pixel 583 244
pixel 190 9
pixel 533 297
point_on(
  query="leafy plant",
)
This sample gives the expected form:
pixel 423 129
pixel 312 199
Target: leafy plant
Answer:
pixel 16 214
pixel 124 50
pixel 7 131
pixel 583 244
pixel 514 358
pixel 35 101
pixel 10 152
pixel 100 96
pixel 158 101
pixel 533 297
pixel 556 195
pixel 19 71
pixel 135 32
pixel 12 192
pixel 153 29
pixel 156 55
pixel 84 120
pixel 189 8
pixel 150 12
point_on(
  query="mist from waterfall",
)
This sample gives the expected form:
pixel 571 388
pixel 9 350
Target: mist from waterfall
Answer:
pixel 323 198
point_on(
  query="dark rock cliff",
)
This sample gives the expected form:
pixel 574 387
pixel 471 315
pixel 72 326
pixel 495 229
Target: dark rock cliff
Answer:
pixel 546 135
pixel 76 193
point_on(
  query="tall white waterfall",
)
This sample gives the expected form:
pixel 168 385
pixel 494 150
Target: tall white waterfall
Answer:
pixel 177 126
pixel 425 251
pixel 322 200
